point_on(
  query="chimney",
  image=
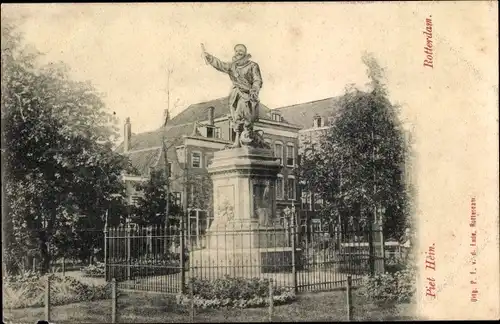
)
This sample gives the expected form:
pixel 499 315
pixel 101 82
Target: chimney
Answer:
pixel 127 133
pixel 211 115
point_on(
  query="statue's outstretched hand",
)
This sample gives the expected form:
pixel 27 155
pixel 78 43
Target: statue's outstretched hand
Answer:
pixel 206 56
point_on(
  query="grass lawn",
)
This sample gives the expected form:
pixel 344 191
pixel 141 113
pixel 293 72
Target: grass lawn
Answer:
pixel 134 307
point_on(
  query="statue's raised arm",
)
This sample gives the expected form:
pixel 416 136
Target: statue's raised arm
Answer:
pixel 215 62
pixel 244 97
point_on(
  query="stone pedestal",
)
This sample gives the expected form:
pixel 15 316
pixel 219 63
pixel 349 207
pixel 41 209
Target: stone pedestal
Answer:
pixel 244 236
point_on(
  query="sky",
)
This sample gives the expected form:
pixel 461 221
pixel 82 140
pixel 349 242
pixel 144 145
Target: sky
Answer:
pixel 306 52
pixel 311 51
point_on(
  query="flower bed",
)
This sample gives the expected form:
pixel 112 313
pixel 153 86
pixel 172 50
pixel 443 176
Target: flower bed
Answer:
pixel 234 293
pixel 29 291
pixel 94 271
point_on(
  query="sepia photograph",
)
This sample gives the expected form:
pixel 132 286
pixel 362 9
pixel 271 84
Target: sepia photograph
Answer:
pixel 250 162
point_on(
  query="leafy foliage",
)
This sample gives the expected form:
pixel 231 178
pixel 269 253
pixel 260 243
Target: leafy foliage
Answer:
pixel 234 292
pixel 60 168
pixel 151 207
pixel 396 287
pixel 28 290
pixel 200 195
pixel 357 165
pixel 94 270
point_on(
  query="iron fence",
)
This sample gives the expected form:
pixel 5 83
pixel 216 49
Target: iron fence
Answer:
pixel 302 257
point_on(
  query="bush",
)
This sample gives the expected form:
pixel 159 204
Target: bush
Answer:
pixel 393 265
pixel 28 290
pixel 397 287
pixel 234 292
pixel 95 271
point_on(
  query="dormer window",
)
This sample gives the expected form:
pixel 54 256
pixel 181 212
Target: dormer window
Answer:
pixel 318 121
pixel 276 116
pixel 213 132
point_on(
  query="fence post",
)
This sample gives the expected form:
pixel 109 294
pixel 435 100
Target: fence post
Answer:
pixel 47 299
pixel 113 300
pixel 128 250
pixel 191 295
pixel 63 266
pixel 181 256
pixel 371 257
pixel 106 248
pixel 294 259
pixel 382 246
pixel 271 300
pixel 349 297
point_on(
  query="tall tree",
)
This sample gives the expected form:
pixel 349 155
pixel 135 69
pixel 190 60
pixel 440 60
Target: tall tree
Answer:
pixel 357 167
pixel 151 206
pixel 200 192
pixel 59 169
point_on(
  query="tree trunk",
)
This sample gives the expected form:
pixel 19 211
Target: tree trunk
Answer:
pixel 44 253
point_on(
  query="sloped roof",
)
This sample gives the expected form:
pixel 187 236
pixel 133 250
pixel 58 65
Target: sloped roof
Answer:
pixel 146 149
pixel 173 135
pixel 199 111
pixel 303 114
pixel 143 160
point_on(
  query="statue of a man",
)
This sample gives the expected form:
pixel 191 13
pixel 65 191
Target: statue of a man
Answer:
pixel 244 96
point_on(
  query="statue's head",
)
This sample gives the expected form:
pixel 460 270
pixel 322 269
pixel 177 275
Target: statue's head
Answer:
pixel 240 51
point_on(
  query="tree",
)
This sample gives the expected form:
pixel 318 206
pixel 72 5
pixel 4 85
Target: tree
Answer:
pixel 357 166
pixel 151 207
pixel 59 167
pixel 200 192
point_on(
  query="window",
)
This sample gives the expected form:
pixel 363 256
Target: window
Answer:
pixel 210 132
pixel 208 160
pixel 279 187
pixel 196 160
pixel 318 121
pixel 276 116
pixel 213 132
pixel 177 198
pixel 278 151
pixel 331 120
pixel 316 225
pixel 291 190
pixel 306 200
pixel 290 155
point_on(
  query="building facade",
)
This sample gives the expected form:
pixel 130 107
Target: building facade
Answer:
pixel 186 146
